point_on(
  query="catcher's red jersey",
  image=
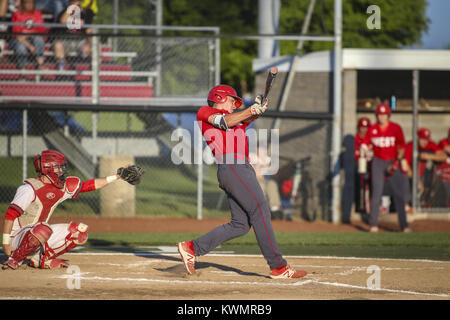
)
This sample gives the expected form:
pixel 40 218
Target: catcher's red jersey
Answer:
pixel 385 141
pixel 36 201
pixel 220 141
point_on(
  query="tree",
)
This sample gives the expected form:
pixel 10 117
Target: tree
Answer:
pixel 402 23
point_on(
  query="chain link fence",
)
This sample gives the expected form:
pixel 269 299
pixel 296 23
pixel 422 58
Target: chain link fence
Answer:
pixel 168 189
pixel 125 68
pixel 131 67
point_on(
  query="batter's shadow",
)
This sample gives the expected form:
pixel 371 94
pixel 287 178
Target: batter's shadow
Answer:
pixel 179 269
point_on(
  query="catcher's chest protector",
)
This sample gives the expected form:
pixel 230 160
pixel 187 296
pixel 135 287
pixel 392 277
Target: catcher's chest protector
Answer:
pixel 46 200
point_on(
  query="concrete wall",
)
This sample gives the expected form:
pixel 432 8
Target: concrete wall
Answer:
pixel 301 138
pixel 138 147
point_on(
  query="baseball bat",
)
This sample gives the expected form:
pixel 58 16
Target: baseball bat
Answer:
pixel 269 82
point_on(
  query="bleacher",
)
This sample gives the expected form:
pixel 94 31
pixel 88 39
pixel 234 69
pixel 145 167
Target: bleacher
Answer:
pixel 117 78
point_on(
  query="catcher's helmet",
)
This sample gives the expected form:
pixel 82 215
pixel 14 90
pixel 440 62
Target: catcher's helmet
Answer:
pixel 219 94
pixel 383 109
pixel 364 122
pixel 52 164
pixel 424 133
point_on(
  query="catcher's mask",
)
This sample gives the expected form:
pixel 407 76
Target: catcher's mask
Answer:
pixel 219 94
pixel 52 164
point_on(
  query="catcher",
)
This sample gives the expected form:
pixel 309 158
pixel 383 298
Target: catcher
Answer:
pixel 27 236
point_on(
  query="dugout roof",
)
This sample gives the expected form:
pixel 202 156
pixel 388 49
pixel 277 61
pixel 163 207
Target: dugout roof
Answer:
pixel 362 59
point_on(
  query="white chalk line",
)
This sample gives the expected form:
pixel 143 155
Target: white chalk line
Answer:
pixel 253 283
pixel 336 284
pixel 249 256
pixel 184 282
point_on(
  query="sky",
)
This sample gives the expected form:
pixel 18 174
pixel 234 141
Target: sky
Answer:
pixel 438 36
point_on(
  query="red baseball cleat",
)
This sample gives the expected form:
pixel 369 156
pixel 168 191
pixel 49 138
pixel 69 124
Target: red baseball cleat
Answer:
pixel 10 264
pixel 186 250
pixel 287 272
pixel 50 264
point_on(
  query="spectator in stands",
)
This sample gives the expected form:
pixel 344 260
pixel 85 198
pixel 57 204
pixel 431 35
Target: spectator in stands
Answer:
pixel 8 7
pixel 81 48
pixel 26 45
pixel 90 9
pixel 3 8
pixel 53 7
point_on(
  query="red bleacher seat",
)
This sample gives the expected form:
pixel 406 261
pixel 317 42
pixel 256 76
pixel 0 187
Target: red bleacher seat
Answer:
pixel 105 67
pixel 49 77
pixel 106 49
pixel 8 66
pixel 63 89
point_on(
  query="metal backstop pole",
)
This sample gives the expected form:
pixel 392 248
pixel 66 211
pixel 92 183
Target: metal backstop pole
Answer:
pixel 337 109
pixel 415 85
pixel 24 143
pixel 95 92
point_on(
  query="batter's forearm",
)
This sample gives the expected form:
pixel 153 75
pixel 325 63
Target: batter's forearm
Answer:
pixel 235 118
pixel 252 118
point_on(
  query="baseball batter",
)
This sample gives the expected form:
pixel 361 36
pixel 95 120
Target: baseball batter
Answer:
pixel 224 131
pixel 388 167
pixel 27 236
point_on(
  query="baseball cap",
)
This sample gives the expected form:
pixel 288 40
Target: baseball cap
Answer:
pixel 444 143
pixel 364 122
pixel 424 133
pixel 383 109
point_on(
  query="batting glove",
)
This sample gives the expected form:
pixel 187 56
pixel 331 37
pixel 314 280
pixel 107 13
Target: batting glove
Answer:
pixel 258 108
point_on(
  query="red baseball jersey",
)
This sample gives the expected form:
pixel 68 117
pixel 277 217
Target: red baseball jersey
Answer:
pixel 431 147
pixel 35 201
pixel 443 170
pixel 223 142
pixel 34 17
pixel 385 140
pixel 358 142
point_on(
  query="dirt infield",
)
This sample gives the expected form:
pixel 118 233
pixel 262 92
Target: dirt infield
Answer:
pixel 157 273
pixel 112 275
pixel 105 225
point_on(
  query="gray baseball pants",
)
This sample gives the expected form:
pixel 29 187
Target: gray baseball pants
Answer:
pixel 249 208
pixel 396 186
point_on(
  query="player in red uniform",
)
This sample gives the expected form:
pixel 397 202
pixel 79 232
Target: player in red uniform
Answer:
pixel 362 163
pixel 443 169
pixel 428 151
pixel 224 131
pixel 27 236
pixel 385 138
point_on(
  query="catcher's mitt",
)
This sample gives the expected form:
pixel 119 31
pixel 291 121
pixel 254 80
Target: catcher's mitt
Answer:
pixel 131 174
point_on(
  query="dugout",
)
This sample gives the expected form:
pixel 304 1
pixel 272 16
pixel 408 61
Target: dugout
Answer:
pixel 370 76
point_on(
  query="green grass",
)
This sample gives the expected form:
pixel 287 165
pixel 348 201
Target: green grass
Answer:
pixel 109 121
pixel 355 244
